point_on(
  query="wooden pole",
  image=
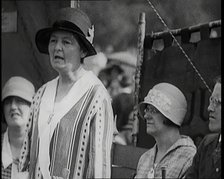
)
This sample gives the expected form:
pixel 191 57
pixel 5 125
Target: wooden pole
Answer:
pixel 141 37
pixel 75 4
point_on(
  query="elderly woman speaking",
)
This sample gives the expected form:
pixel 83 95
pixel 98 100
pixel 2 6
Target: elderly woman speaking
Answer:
pixel 164 109
pixel 71 129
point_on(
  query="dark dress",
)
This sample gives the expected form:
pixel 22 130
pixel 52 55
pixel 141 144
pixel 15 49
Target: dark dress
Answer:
pixel 122 106
pixel 207 161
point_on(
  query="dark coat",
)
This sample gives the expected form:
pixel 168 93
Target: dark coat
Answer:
pixel 207 161
pixel 123 105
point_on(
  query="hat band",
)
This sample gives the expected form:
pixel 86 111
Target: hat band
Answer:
pixel 67 25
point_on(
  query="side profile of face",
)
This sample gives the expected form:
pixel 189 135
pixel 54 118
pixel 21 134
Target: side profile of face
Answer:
pixel 16 111
pixel 154 120
pixel 214 109
pixel 65 52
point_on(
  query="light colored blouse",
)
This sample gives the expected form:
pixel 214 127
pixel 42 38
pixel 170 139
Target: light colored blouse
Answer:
pixel 10 166
pixel 176 160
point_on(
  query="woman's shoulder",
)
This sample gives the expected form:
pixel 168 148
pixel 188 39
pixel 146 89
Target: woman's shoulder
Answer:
pixel 43 86
pixel 39 92
pixel 147 155
pixel 100 88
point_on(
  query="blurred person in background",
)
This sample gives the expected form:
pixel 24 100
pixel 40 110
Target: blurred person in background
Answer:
pixel 95 63
pixel 207 161
pixel 164 109
pixel 123 104
pixel 121 88
pixel 17 95
pixel 116 75
pixel 104 76
pixel 111 77
pixel 71 130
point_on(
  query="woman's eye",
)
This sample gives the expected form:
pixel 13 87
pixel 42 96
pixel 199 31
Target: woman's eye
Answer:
pixel 67 42
pixel 21 101
pixel 52 41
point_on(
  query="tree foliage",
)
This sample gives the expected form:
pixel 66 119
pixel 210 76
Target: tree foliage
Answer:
pixel 116 21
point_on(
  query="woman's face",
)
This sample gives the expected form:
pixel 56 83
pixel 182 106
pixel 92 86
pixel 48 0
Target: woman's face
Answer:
pixel 154 120
pixel 214 109
pixel 65 52
pixel 16 111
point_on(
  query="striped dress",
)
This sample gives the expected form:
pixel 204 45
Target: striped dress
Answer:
pixel 80 142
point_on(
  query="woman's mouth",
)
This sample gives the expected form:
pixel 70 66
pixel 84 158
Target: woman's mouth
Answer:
pixel 211 118
pixel 14 114
pixel 148 122
pixel 57 57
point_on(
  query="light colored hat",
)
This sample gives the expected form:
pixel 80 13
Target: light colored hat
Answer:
pixel 18 86
pixel 169 100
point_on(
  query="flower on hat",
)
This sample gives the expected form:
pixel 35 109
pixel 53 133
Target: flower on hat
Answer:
pixel 158 99
pixel 90 34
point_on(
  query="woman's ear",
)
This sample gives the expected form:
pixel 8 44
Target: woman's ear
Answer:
pixel 83 54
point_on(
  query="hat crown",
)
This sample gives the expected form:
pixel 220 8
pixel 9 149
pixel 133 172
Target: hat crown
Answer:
pixel 18 86
pixel 169 100
pixel 75 16
pixel 173 93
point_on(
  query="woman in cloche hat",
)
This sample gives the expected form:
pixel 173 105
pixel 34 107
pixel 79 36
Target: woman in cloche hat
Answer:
pixel 72 119
pixel 17 94
pixel 164 109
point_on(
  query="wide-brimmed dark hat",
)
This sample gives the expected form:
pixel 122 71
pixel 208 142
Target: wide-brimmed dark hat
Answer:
pixel 72 20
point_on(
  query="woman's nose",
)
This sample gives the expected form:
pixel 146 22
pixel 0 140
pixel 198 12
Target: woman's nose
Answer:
pixel 145 114
pixel 210 107
pixel 13 103
pixel 58 46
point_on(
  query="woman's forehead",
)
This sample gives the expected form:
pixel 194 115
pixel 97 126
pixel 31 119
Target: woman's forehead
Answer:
pixel 63 34
pixel 17 98
pixel 217 90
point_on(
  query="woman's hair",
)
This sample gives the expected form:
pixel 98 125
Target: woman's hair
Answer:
pixel 82 47
pixel 168 122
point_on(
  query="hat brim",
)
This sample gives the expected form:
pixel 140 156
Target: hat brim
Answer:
pixel 141 107
pixel 43 36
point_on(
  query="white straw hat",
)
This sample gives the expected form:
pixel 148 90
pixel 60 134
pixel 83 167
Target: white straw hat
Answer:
pixel 169 100
pixel 18 86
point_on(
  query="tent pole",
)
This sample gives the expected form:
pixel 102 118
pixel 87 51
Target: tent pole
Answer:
pixel 75 4
pixel 141 37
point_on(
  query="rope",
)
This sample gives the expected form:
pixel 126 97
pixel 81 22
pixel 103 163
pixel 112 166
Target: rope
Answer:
pixel 189 60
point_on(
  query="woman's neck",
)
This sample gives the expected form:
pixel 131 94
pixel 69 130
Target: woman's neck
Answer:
pixel 66 81
pixel 165 141
pixel 16 137
pixel 71 77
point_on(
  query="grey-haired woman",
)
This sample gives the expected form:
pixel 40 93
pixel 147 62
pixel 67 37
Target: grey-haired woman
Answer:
pixel 71 127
